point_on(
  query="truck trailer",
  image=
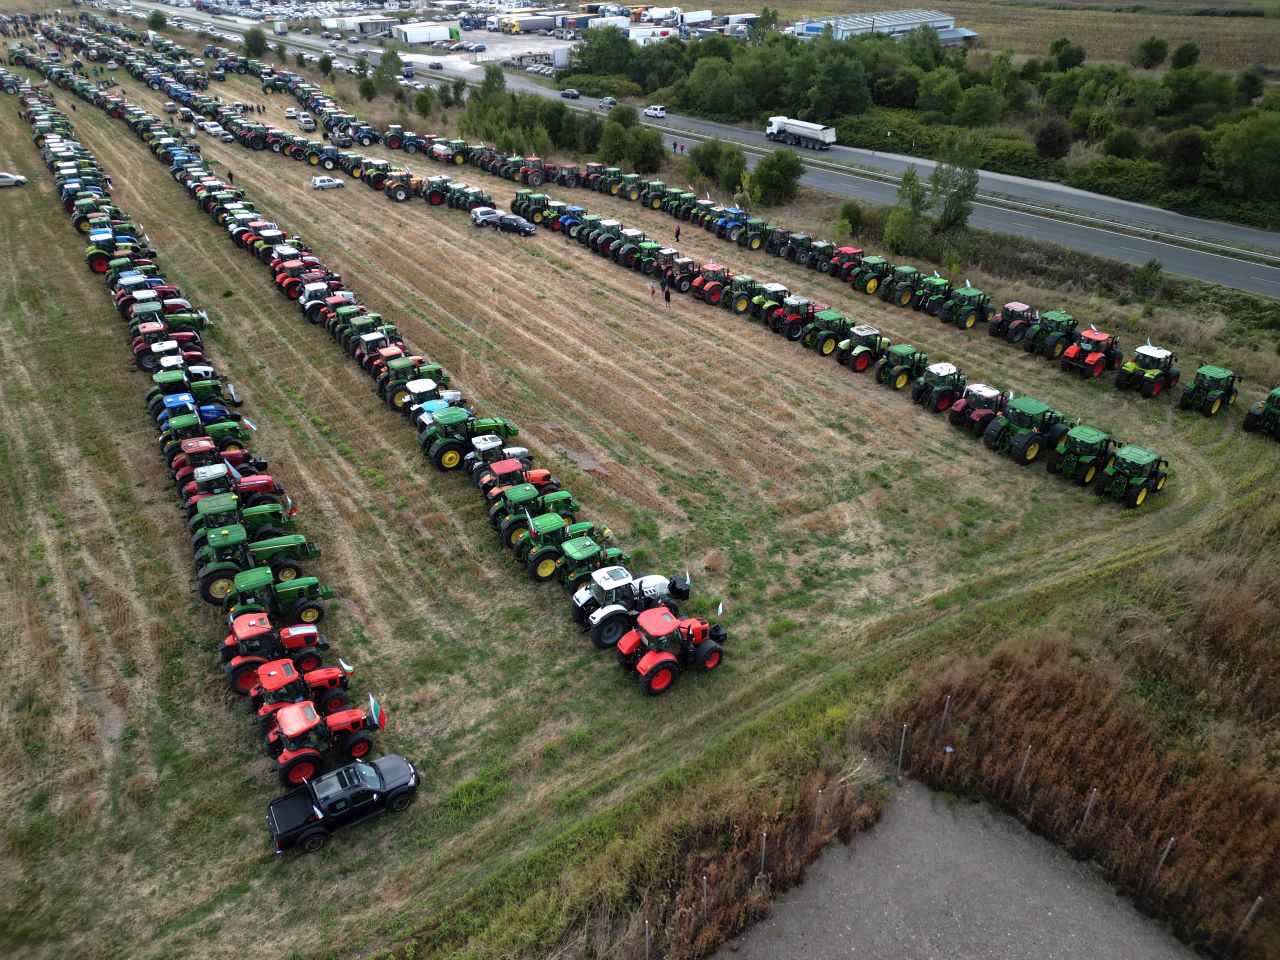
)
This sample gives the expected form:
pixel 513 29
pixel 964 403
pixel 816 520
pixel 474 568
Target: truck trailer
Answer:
pixel 801 133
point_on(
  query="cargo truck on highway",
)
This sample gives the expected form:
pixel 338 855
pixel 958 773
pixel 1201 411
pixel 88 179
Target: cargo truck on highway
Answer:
pixel 800 133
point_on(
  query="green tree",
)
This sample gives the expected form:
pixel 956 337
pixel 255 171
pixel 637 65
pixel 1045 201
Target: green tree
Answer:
pixel 954 183
pixel 979 106
pixel 1053 139
pixel 1072 55
pixel 924 49
pixel 368 89
pixel 1150 53
pixel 766 24
pixel 280 51
pixel 387 72
pixel 644 149
pixel 1249 86
pixel 851 216
pixel 904 228
pixel 459 90
pixel 710 89
pixel 1122 142
pixel 1245 156
pixel 362 66
pixel 624 115
pixel 613 142
pixel 422 103
pixel 325 63
pixel 590 131
pixel 704 159
pixel 255 43
pixel 730 167
pixel 157 21
pixel 777 177
pixel 604 51
pixel 493 85
pixel 1184 157
pixel 939 90
pixel 839 86
pixel 1184 55
pixel 299 60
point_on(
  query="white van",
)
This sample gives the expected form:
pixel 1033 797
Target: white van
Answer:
pixel 655 110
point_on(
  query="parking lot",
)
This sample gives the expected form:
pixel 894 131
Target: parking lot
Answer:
pixel 499 46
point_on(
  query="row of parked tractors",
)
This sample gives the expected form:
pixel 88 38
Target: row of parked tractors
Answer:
pixel 1055 334
pixel 531 515
pixel 246 558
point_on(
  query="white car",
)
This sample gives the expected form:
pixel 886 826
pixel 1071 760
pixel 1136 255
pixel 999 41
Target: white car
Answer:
pixel 482 216
pixel 326 183
pixel 655 110
pixel 12 180
pixel 290 113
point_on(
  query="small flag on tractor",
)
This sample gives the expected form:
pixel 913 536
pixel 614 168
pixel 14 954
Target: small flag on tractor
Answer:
pixel 379 715
pixel 720 609
pixel 248 423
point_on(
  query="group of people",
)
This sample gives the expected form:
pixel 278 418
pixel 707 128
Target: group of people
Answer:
pixel 666 289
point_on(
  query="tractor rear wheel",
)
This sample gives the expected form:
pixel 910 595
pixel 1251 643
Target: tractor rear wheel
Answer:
pixel 754 243
pixel 1085 474
pixel 1136 497
pixel 917 392
pixel 1017 331
pixel 1025 447
pixel 1055 347
pixel 296 771
pixel 446 454
pixel 1122 379
pixel 244 676
pixel 708 656
pixel 955 416
pixel 262 533
pixel 659 680
pixel 541 565
pixel 942 400
pixel 871 285
pixel 1096 370
pixel 968 320
pixel 398 399
pixel 795 329
pixel 991 435
pixel 684 283
pixel 512 533
pixel 1051 461
pixel 606 634
pixel 307 611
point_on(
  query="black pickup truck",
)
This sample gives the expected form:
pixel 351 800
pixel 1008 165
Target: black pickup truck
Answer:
pixel 306 817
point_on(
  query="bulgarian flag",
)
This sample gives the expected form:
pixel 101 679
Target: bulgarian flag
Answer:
pixel 378 713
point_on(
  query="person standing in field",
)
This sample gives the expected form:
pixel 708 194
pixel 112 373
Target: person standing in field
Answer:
pixel 677 233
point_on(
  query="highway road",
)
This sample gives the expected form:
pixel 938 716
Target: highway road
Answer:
pixel 1098 224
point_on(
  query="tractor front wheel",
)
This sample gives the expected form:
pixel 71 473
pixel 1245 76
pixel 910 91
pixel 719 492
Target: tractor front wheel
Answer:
pixel 659 680
pixel 308 611
pixel 795 330
pixel 243 677
pixel 708 656
pixel 296 771
pixel 357 745
pixel 827 345
pixel 606 634
pixel 215 586
pixel 541 565
pixel 333 700
pixel 1137 497
pixel 1211 406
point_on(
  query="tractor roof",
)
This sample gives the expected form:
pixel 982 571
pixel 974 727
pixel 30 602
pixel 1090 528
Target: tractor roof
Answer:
pixel 610 223
pixel 982 390
pixel 1152 353
pixel 1087 434
pixel 1098 336
pixel 796 301
pixel 276 674
pixel 169 376
pixel 547 523
pixel 520 493
pixel 831 316
pixel 254 579
pixel 657 622
pixel 775 288
pixel 743 280
pixel 865 330
pixel 250 625
pixel 509 465
pixel 943 369
pixel 1137 455
pixel 297 718
pixel 874 260
pixel 400 363
pixel 936 281
pixel 713 267
pixel 485 441
pixel 1029 406
pixel 231 536
pixel 968 292
pixel 451 416
pixel 218 503
pixel 1274 394
pixel 215 471
pixel 611 577
pixel 631 233
pixel 902 350
pixel 421 385
pixel 1214 372
pixel 580 548
pixel 198 445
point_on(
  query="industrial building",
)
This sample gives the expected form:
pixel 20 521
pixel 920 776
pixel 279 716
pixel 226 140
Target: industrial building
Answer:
pixel 896 23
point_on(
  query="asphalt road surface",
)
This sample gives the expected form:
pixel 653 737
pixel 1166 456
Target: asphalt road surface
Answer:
pixel 1097 238
pixel 937 882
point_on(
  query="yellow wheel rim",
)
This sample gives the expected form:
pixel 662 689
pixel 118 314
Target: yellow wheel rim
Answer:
pixel 310 615
pixel 1033 450
pixel 828 346
pixel 546 567
pixel 904 298
pixel 399 398
pixel 1160 483
pixel 1217 405
pixel 355 172
pixel 231 447
pixel 900 382
pixel 1059 348
pixel 288 573
pixel 741 305
pixel 1141 497
pixel 313 160
pixel 969 320
pixel 1089 474
pixel 457 159
pixel 84 226
pixel 614 188
pixel 537 217
pixel 451 459
pixel 220 587
pixel 873 285
pixel 755 243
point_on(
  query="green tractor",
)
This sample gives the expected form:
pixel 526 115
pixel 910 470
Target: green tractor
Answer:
pixel 1212 387
pixel 932 294
pixel 297 601
pixel 629 187
pixel 1082 454
pixel 590 224
pixel 900 286
pixel 742 290
pixel 941 385
pixel 609 181
pixel 966 307
pixel 652 194
pixel 1264 415
pixel 901 364
pixel 1132 476
pixel 510 514
pixel 768 300
pixel 520 202
pixel 863 347
pixel 262 522
pixel 540 547
pixel 1151 370
pixel 649 256
pixel 605 236
pixel 582 557
pixel 445 440
pixel 1051 335
pixel 755 234
pixel 825 332
pixel 1025 428
pixel 871 273
pixel 228 551
pixel 627 250
pixel 798 248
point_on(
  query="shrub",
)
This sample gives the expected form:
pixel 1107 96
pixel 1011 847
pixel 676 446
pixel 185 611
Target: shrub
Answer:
pixel 1053 139
pixel 1122 142
pixel 851 216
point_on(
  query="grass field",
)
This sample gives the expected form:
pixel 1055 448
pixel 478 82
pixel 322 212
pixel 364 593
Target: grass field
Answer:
pixel 843 529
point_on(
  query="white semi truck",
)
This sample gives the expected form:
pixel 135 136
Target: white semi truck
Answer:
pixel 800 133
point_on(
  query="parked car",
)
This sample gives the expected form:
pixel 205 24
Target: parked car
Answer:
pixel 478 48
pixel 483 216
pixel 12 180
pixel 327 183
pixel 307 817
pixel 570 94
pixel 170 107
pixel 607 103
pixel 306 123
pixel 655 110
pixel 290 113
pixel 510 223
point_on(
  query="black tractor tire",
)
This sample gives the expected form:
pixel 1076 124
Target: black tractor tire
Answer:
pixel 1136 497
pixel 795 330
pixel 1085 474
pixel 991 435
pixel 1032 338
pixel 606 634
pixel 882 371
pixel 1250 422
pixel 214 587
pixel 1184 401
pixel 917 392
pixel 955 417
pixel 708 656
pixel 1051 461
pixel 446 455
pixel 899 377
pixel 1152 387
pixel 1122 379
pixel 903 296
pixel 940 401
pixel 1055 434
pixel 1016 332
pixel 842 357
pixel 537 565
pixel 284 569
pixel 1055 347
pixel 1211 406
pixel 1026 447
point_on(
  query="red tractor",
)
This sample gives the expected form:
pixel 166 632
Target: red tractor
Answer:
pixel 661 646
pixel 280 683
pixel 253 641
pixel 300 735
pixel 710 284
pixel 976 407
pixel 1093 355
pixel 204 452
pixel 507 473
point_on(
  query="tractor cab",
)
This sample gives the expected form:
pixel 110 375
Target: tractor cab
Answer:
pixel 212 479
pixel 1029 414
pixel 820 254
pixel 424 390
pixel 980 396
pixel 934 288
pixel 300 727
pixel 1149 358
pixel 1212 387
pixel 583 556
pixel 796 307
pixel 1136 462
pixel 864 335
pixel 770 296
pixel 228 544
pixel 219 510
pixel 631 235
pixel 942 375
pixel 1086 441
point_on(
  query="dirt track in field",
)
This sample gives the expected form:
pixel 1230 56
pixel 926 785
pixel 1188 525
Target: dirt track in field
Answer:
pixel 800 492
